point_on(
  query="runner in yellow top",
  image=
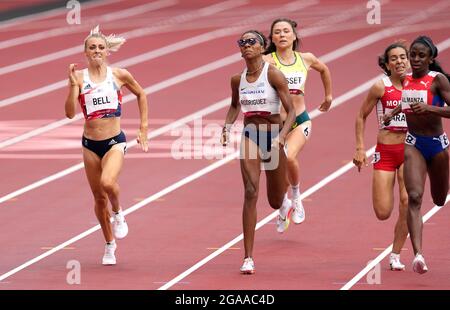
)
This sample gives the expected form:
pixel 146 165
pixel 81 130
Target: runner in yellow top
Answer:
pixel 295 65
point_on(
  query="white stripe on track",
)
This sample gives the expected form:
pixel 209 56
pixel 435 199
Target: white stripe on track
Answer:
pixel 193 41
pixel 133 208
pixel 172 81
pixel 388 250
pixel 58 11
pixel 87 23
pixel 261 223
pixel 337 101
pixel 157 27
pixel 153 134
pixel 176 185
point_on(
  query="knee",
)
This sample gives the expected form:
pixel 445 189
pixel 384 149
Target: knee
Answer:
pixel 440 201
pixel 403 201
pixel 415 199
pixel 275 203
pixel 101 200
pixel 291 158
pixel 382 215
pixel 107 184
pixel 251 192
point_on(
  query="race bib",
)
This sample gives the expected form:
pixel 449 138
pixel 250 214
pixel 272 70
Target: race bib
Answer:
pixel 101 101
pixel 295 81
pixel 411 96
pixel 397 122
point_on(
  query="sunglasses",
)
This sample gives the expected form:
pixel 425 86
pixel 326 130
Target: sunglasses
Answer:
pixel 243 42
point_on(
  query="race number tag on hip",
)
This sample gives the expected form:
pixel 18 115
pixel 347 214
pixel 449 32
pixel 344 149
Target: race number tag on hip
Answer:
pixel 411 96
pixel 410 139
pixel 444 140
pixel 101 101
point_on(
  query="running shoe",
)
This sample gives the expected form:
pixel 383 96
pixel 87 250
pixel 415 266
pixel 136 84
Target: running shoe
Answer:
pixel 120 226
pixel 283 222
pixel 298 212
pixel 419 265
pixel 248 267
pixel 394 262
pixel 109 258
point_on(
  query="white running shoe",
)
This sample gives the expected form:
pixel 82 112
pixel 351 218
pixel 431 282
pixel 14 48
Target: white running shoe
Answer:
pixel 419 265
pixel 109 258
pixel 394 262
pixel 298 212
pixel 283 222
pixel 120 226
pixel 248 267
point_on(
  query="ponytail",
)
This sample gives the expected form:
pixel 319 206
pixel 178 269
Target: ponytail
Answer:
pixel 113 43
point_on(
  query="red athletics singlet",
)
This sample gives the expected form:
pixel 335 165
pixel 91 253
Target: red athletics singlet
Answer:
pixel 419 91
pixel 390 99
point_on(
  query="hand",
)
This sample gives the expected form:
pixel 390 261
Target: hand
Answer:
pixel 360 158
pixel 280 140
pixel 326 104
pixel 72 75
pixel 387 119
pixel 225 137
pixel 419 108
pixel 142 139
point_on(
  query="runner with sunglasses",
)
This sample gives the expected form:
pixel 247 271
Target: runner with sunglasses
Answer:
pixel 259 91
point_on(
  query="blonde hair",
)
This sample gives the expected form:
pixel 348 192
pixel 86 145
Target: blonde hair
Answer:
pixel 113 43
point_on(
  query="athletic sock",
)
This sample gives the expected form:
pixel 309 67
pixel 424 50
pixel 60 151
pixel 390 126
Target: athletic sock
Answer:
pixel 295 191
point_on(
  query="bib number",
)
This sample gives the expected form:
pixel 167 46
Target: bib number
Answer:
pixel 101 101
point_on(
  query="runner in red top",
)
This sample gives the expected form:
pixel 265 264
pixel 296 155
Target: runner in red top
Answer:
pixel 426 144
pixel 385 95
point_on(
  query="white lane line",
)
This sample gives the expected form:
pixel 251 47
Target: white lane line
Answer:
pixel 184 181
pixel 155 28
pixel 153 134
pixel 261 223
pixel 88 23
pixel 58 11
pixel 135 207
pixel 271 216
pixel 133 60
pixel 148 90
pixel 200 39
pixel 399 27
pixel 388 250
pixel 204 69
pixel 217 106
pixel 338 101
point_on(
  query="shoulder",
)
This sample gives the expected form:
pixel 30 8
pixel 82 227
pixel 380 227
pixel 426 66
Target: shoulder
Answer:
pixel 441 78
pixel 274 71
pixel 268 58
pixel 309 58
pixel 275 76
pixel 377 88
pixel 122 74
pixel 235 80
